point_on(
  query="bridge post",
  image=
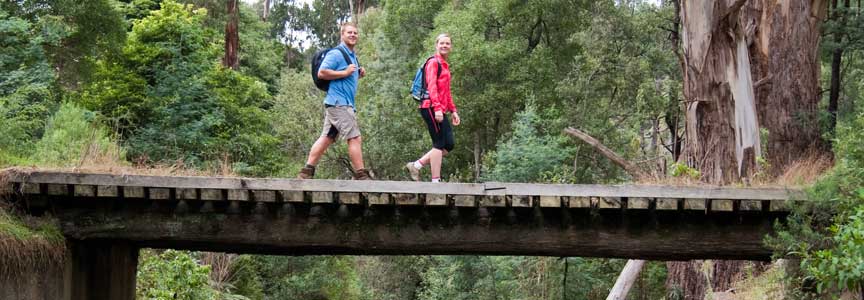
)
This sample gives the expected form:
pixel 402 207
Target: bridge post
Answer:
pixel 102 270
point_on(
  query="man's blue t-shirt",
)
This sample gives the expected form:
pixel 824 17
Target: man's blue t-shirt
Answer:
pixel 341 91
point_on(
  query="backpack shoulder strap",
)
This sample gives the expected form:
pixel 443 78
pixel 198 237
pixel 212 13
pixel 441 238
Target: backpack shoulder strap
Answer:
pixel 344 55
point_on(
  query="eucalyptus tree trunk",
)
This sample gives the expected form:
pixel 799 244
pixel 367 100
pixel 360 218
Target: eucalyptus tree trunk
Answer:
pixel 750 66
pixel 232 37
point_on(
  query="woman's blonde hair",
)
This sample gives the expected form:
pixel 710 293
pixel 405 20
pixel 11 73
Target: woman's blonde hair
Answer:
pixel 441 36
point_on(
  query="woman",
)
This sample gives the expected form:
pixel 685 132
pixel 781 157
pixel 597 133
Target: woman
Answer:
pixel 435 109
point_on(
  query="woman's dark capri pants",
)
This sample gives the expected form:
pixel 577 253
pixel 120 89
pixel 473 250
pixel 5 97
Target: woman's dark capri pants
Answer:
pixel 441 133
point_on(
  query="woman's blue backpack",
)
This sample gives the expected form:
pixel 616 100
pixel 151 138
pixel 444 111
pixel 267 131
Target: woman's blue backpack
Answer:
pixel 418 87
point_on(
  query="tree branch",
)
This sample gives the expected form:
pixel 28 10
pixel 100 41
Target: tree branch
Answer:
pixel 629 167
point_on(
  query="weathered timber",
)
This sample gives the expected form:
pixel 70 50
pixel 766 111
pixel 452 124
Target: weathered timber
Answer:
pixel 187 194
pixel 238 195
pixel 160 194
pixel 495 201
pixel 322 197
pixel 638 203
pixel 436 199
pixel 84 191
pixel 292 196
pixel 406 199
pixel 211 194
pixel 464 201
pixel 57 189
pixel 349 198
pixel 378 198
pixel 108 191
pixel 750 205
pixel 722 205
pixel 264 196
pixel 520 200
pixel 426 230
pixel 667 204
pixel 550 201
pixel 489 188
pixel 133 192
pixel 626 279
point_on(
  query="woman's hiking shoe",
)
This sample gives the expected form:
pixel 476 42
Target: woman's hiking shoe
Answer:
pixel 413 171
pixel 362 174
pixel 306 173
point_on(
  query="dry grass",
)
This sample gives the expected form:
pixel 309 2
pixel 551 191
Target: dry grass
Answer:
pixel 806 171
pixel 801 173
pixel 29 244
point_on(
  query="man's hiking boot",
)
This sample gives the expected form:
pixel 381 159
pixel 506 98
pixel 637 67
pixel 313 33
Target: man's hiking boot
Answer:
pixel 362 174
pixel 413 171
pixel 306 173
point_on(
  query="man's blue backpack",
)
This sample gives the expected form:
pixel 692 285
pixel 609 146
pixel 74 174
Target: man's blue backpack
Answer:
pixel 322 84
pixel 418 87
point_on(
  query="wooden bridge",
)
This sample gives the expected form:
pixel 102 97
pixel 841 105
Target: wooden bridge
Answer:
pixel 114 215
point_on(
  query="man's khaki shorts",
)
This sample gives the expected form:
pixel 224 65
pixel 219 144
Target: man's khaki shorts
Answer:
pixel 340 122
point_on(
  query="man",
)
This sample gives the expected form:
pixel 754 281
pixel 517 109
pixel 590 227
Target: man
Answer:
pixel 339 109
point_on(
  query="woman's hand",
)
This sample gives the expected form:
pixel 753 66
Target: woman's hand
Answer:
pixel 456 119
pixel 439 116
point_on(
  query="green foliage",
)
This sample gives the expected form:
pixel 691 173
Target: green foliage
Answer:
pixel 71 135
pixel 27 84
pixel 172 274
pixel 525 156
pixel 681 170
pixel 826 233
pixel 174 103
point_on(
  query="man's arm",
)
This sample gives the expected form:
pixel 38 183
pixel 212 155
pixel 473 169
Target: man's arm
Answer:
pixel 328 69
pixel 328 74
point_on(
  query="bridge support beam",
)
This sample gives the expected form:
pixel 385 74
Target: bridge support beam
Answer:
pixel 102 270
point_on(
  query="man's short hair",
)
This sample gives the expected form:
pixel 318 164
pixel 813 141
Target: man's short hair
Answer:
pixel 346 24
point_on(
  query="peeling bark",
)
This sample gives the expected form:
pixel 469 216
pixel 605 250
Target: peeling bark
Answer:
pixel 728 43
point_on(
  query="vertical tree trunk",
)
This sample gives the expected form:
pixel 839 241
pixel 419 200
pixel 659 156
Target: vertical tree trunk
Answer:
pixel 728 46
pixel 266 12
pixel 786 49
pixel 232 37
pixel 836 63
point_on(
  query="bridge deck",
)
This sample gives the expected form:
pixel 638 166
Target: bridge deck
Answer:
pixel 286 216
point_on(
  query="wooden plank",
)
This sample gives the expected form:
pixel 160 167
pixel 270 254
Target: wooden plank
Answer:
pixel 666 204
pixel 493 201
pixel 238 195
pixel 480 189
pixel 134 192
pixel 373 186
pixel 464 201
pixel 638 203
pixel 550 201
pixel 649 191
pixel 211 194
pixel 750 205
pixel 349 198
pixel 694 204
pixel 778 205
pixel 292 196
pixel 608 203
pixel 160 194
pixel 30 188
pixel 108 191
pixel 406 199
pixel 322 197
pixel 520 201
pixel 187 194
pixel 378 198
pixel 722 205
pixel 58 189
pixel 436 199
pixel 579 202
pixel 84 190
pixel 264 196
